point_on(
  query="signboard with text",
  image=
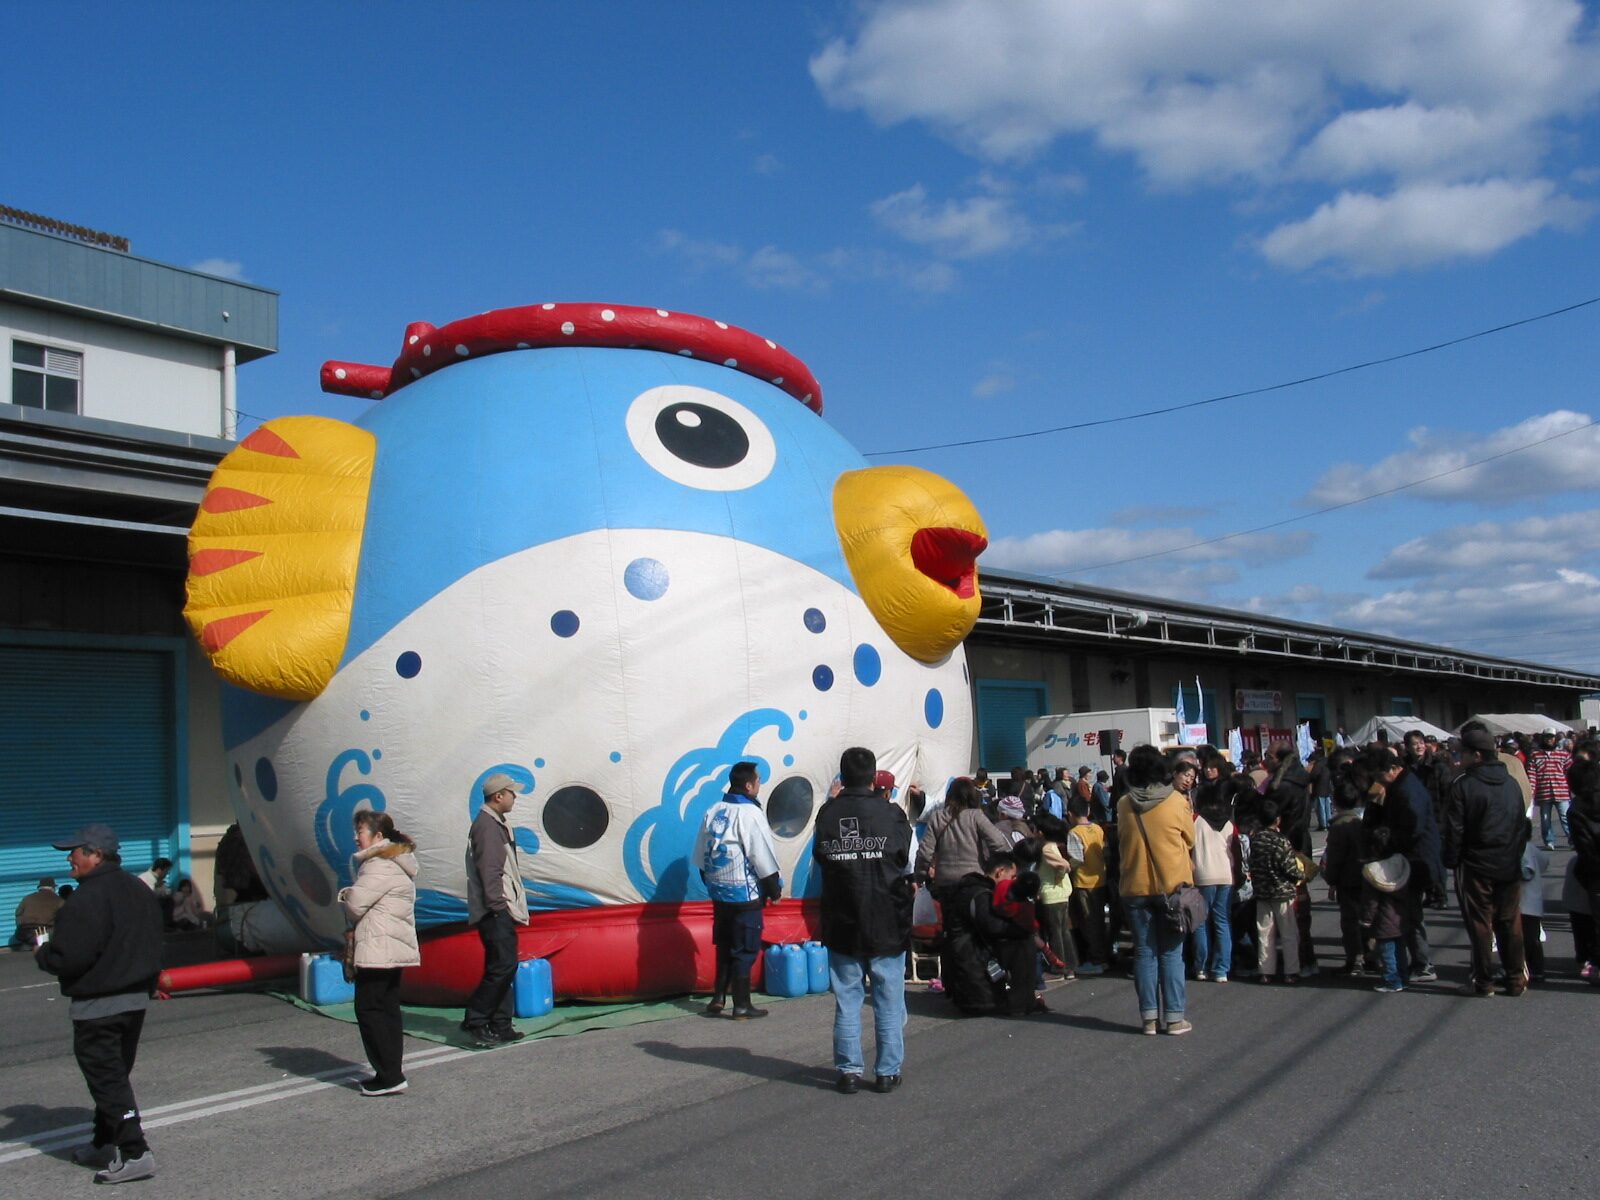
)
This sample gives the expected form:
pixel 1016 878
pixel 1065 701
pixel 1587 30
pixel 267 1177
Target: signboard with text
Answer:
pixel 1248 700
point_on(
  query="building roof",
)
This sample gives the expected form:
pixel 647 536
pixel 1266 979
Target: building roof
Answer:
pixel 1032 607
pixel 45 270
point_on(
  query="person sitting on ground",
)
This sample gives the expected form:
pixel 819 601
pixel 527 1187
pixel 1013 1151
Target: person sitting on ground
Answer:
pixel 1013 822
pixel 1016 901
pixel 1276 874
pixel 188 909
pixel 36 914
pixel 970 931
pixel 1384 875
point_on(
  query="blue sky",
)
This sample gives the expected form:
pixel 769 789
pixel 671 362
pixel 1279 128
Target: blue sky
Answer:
pixel 968 219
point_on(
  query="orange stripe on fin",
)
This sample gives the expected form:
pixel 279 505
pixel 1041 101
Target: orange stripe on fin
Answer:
pixel 227 499
pixel 264 441
pixel 205 562
pixel 224 629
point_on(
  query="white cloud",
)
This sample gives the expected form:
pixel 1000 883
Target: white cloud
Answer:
pixel 1193 572
pixel 1528 619
pixel 767 164
pixel 770 267
pixel 226 268
pixel 1139 514
pixel 970 228
pixel 1502 550
pixel 1568 463
pixel 1420 225
pixel 993 384
pixel 1258 92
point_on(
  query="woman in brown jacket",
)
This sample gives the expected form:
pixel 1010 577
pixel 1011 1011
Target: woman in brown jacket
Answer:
pixel 381 906
pixel 1155 860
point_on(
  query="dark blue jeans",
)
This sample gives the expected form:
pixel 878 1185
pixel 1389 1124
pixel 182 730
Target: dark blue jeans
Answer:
pixel 1157 958
pixel 490 1005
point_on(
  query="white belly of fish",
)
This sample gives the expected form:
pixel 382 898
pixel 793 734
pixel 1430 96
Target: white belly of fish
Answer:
pixel 620 673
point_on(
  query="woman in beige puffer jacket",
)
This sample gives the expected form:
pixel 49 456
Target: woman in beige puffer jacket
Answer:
pixel 381 906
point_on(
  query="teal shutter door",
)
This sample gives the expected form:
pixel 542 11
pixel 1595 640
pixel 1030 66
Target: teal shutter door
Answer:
pixel 1004 710
pixel 85 735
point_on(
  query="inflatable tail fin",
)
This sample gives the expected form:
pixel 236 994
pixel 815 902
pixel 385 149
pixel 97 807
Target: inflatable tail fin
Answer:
pixel 273 554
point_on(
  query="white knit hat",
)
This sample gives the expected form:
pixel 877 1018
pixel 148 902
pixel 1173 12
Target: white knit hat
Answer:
pixel 1388 874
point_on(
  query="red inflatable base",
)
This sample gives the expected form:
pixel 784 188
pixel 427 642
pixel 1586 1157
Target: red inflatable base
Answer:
pixel 231 970
pixel 625 952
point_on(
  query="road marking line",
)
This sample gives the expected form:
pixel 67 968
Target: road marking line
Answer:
pixel 27 987
pixel 202 1106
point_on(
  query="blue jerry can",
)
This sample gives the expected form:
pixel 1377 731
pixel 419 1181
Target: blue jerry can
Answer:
pixel 322 980
pixel 532 995
pixel 817 977
pixel 786 971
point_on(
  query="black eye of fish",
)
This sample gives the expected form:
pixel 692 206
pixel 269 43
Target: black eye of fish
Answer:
pixel 702 436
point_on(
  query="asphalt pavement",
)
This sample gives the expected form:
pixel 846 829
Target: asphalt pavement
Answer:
pixel 1327 1089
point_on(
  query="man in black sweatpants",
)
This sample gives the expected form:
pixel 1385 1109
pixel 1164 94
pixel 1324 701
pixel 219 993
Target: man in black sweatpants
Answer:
pixel 106 951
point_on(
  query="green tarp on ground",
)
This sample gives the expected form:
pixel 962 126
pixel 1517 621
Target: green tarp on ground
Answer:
pixel 444 1024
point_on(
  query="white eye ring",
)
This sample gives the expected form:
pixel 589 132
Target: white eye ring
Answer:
pixel 724 467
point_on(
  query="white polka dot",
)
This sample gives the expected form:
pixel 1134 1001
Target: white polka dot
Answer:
pixel 778 381
pixel 416 374
pixel 427 352
pixel 568 328
pixel 661 312
pixel 730 362
pixel 339 373
pixel 806 399
pixel 547 307
pixel 687 353
pixel 719 324
pixel 412 340
pixel 688 419
pixel 522 345
pixel 607 315
pixel 377 395
pixel 771 345
pixel 462 350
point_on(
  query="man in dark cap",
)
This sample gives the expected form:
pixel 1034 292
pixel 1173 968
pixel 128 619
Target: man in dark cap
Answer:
pixel 106 951
pixel 1486 831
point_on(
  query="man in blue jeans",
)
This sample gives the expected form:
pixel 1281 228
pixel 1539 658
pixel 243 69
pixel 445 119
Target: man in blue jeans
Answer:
pixel 862 847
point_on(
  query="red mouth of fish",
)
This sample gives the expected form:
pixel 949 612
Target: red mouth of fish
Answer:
pixel 949 557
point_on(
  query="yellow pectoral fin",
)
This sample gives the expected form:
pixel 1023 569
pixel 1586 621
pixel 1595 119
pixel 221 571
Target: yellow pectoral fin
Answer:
pixel 273 554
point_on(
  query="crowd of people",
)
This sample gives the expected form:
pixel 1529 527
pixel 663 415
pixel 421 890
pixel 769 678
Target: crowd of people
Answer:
pixel 1207 868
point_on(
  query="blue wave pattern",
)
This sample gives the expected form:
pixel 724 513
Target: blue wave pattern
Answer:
pixel 334 824
pixel 656 850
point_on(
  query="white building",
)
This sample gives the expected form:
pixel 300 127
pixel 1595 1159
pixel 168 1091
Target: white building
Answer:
pixel 117 403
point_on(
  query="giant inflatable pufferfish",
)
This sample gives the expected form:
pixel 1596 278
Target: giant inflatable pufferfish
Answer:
pixel 610 551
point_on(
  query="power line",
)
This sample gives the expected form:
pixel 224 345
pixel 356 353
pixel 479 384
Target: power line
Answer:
pixel 1259 391
pixel 1226 537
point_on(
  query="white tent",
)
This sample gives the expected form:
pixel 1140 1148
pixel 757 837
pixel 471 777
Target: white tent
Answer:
pixel 1396 728
pixel 1501 724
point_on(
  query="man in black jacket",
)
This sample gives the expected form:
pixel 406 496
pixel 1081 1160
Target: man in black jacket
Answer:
pixel 863 846
pixel 106 951
pixel 1399 800
pixel 1486 831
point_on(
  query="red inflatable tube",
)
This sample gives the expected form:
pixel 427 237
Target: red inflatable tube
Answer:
pixel 230 970
pixel 618 952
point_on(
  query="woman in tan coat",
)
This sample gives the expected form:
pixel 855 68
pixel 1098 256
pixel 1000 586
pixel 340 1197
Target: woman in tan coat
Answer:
pixel 1155 837
pixel 381 906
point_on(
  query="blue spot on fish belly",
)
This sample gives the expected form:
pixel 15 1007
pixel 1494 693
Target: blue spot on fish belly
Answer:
pixel 933 708
pixel 646 579
pixel 815 621
pixel 868 665
pixel 823 678
pixel 564 623
pixel 408 664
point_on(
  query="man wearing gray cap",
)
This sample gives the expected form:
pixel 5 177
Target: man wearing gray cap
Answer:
pixel 496 905
pixel 106 951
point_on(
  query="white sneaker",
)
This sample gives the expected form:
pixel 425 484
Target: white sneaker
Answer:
pixel 125 1170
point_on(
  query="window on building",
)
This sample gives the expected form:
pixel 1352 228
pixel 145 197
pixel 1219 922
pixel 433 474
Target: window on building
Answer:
pixel 1401 706
pixel 44 377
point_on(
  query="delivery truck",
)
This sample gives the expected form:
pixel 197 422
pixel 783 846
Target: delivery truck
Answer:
pixel 1074 740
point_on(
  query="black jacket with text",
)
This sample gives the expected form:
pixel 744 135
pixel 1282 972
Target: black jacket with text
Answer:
pixel 862 846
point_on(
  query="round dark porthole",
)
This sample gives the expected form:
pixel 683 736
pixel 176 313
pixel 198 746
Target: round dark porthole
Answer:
pixel 575 817
pixel 789 806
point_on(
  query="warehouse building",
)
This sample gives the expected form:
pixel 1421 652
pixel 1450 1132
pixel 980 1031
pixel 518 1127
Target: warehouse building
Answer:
pixel 117 404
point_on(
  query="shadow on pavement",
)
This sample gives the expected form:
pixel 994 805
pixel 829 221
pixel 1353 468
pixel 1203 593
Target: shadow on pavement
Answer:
pixel 306 1062
pixel 27 1123
pixel 740 1059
